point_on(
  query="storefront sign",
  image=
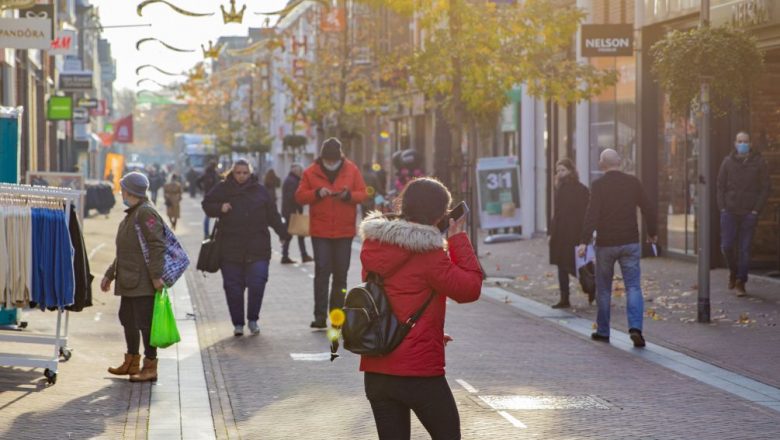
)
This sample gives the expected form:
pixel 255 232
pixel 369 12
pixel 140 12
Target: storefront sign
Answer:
pixel 25 33
pixel 76 81
pixel 72 64
pixel 88 103
pixel 64 44
pixel 39 11
pixel 15 4
pixel 498 192
pixel 607 40
pixel 60 108
pixel 80 115
pixel 100 110
pixel 743 13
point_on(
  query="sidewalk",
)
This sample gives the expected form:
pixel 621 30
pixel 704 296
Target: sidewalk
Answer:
pixel 744 333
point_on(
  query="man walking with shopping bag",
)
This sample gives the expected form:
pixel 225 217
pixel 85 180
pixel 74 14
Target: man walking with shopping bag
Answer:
pixel 612 215
pixel 333 187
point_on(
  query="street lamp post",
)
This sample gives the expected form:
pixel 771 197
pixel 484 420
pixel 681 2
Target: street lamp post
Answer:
pixel 705 186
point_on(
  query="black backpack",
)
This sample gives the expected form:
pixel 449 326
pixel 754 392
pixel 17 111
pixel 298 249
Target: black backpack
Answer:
pixel 370 327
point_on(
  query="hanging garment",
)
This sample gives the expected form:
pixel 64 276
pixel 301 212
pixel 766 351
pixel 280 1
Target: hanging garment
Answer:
pixel 5 254
pixel 64 277
pixel 83 278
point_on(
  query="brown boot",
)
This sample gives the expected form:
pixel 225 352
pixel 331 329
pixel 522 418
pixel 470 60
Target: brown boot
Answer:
pixel 740 286
pixel 148 373
pixel 732 281
pixel 132 365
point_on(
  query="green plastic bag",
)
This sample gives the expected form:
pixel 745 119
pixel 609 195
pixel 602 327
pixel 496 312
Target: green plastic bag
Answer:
pixel 164 331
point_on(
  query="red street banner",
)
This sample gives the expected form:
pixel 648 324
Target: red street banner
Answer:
pixel 106 139
pixel 123 130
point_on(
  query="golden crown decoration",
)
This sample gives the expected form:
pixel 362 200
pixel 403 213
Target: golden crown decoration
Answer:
pixel 233 16
pixel 212 51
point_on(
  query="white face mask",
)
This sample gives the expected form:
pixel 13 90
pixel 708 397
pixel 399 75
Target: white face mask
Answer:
pixel 333 167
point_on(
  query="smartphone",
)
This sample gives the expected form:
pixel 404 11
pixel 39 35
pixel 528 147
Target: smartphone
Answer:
pixel 458 212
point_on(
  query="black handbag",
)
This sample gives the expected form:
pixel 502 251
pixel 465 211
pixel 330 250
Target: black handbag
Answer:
pixel 208 258
pixel 370 326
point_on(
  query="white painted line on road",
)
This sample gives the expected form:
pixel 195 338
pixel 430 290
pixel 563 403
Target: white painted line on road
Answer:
pixel 736 384
pixel 194 223
pixel 95 250
pixel 311 276
pixel 466 386
pixel 310 357
pixel 98 315
pixel 303 269
pixel 516 423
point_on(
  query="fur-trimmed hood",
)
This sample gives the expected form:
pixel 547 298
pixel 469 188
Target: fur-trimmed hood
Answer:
pixel 414 237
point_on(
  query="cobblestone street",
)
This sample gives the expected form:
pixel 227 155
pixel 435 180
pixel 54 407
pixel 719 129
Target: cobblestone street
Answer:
pixel 514 375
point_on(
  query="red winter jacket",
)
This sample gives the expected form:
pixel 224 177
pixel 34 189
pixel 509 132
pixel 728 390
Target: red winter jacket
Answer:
pixel 331 217
pixel 412 259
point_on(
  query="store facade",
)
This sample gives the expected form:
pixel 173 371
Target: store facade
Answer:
pixel 670 145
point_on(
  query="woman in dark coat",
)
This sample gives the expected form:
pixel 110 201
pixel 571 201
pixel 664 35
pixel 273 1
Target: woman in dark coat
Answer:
pixel 271 181
pixel 571 202
pixel 245 211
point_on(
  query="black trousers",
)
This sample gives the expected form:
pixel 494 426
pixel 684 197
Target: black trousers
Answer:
pixel 393 397
pixel 135 315
pixel 331 258
pixel 563 282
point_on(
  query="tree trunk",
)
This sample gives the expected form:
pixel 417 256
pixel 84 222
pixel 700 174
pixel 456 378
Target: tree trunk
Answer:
pixel 456 110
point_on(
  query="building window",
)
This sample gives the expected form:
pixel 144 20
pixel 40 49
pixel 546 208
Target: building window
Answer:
pixel 613 116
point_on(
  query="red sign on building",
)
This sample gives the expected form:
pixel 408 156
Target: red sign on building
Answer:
pixel 123 130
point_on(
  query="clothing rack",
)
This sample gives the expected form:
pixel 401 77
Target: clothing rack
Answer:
pixel 59 340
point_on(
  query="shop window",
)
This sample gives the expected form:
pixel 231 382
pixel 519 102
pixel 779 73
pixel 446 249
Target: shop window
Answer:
pixel 613 116
pixel 677 185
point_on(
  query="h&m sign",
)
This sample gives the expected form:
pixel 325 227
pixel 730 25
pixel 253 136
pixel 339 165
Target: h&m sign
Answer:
pixel 607 40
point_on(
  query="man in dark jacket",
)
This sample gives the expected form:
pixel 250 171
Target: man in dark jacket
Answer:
pixel 743 189
pixel 206 183
pixel 290 207
pixel 612 214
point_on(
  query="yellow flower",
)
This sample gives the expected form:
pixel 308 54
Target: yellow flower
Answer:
pixel 337 317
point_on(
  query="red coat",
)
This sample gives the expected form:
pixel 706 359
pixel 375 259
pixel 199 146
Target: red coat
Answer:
pixel 331 217
pixel 412 260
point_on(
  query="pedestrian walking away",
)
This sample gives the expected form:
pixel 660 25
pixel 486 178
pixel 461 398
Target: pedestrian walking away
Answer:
pixel 137 281
pixel 245 212
pixel 290 207
pixel 612 215
pixel 206 183
pixel 409 253
pixel 172 191
pixel 743 189
pixel 333 187
pixel 373 189
pixel 156 181
pixel 192 182
pixel 571 202
pixel 272 182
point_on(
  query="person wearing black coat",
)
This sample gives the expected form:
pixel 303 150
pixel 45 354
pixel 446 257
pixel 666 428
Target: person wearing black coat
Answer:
pixel 290 207
pixel 206 183
pixel 571 202
pixel 245 212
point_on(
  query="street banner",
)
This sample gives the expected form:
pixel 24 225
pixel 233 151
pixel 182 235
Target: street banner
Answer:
pixel 106 139
pixel 115 164
pixel 25 33
pixel 333 20
pixel 15 4
pixel 76 81
pixel 123 130
pixel 498 192
pixel 100 110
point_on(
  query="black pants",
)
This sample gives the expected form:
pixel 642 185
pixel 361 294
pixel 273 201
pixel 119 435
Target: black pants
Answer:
pixel 392 398
pixel 331 257
pixel 135 315
pixel 563 283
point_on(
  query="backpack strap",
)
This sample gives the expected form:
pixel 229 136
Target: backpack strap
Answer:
pixel 412 321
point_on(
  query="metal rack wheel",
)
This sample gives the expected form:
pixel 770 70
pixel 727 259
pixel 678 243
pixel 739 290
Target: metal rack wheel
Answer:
pixel 66 353
pixel 51 376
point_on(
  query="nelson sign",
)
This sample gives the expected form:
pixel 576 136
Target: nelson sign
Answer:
pixel 607 40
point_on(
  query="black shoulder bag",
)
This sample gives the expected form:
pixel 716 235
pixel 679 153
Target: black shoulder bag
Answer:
pixel 370 327
pixel 208 258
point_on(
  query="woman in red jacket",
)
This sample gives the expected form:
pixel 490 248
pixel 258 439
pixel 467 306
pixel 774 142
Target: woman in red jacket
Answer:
pixel 413 258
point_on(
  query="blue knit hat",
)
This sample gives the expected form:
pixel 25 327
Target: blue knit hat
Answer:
pixel 135 183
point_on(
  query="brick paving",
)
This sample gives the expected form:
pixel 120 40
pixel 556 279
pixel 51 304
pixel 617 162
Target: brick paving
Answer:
pixel 742 331
pixel 261 392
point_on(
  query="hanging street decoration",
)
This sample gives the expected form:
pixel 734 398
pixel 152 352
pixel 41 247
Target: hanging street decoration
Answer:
pixel 181 11
pixel 233 16
pixel 16 4
pixel 292 5
pixel 143 80
pixel 145 40
pixel 151 66
pixel 271 44
pixel 213 51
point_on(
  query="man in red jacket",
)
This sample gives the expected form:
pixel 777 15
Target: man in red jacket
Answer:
pixel 333 186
